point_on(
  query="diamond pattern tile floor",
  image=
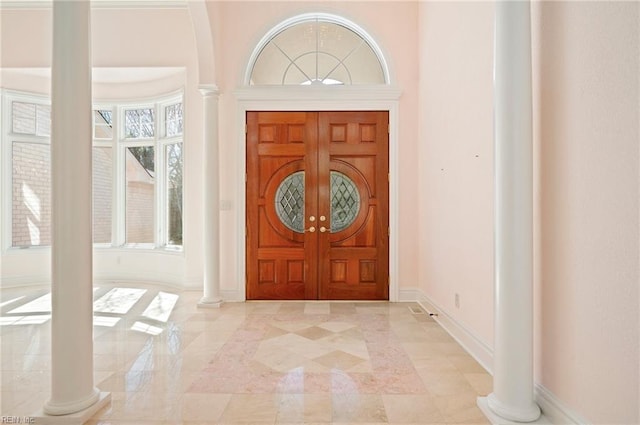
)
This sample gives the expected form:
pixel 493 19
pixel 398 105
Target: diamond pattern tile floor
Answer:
pixel 252 363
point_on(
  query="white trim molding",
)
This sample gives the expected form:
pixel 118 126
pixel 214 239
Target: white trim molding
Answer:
pixel 409 294
pixel 554 409
pixel 467 338
pixel 338 94
pixel 318 98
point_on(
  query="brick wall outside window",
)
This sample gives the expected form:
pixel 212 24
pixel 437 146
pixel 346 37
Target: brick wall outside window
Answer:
pixel 31 194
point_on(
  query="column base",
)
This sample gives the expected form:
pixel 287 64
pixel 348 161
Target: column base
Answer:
pixel 207 302
pixel 76 418
pixel 501 416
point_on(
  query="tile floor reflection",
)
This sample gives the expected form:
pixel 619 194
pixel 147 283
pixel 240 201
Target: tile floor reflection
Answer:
pixel 167 362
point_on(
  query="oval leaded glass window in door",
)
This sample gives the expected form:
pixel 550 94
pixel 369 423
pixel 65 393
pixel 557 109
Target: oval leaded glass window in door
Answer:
pixel 345 201
pixel 289 201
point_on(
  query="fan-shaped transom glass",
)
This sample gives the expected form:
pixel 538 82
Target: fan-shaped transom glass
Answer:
pixel 317 52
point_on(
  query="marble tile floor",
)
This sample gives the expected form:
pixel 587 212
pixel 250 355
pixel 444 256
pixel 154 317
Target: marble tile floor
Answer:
pixel 167 362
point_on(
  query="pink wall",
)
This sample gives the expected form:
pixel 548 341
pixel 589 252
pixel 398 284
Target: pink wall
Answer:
pixel 588 131
pixel 26 38
pixel 586 91
pixel 456 161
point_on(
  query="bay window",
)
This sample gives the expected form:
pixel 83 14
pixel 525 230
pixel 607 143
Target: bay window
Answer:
pixel 137 172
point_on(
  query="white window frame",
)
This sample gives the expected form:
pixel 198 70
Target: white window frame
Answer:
pixel 161 161
pixel 6 156
pixel 119 143
pixel 108 143
pixel 123 143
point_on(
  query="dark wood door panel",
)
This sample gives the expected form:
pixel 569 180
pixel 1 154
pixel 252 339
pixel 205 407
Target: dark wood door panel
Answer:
pixel 354 261
pixel 341 158
pixel 280 256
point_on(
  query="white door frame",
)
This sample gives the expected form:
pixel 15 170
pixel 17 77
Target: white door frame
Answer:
pixel 318 98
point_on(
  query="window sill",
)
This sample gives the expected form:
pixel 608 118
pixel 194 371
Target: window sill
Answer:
pixel 169 249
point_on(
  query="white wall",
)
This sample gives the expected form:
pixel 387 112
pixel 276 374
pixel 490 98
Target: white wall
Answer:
pixel 456 161
pixel 134 56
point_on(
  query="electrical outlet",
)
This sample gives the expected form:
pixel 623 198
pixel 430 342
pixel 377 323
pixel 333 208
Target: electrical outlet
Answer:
pixel 457 300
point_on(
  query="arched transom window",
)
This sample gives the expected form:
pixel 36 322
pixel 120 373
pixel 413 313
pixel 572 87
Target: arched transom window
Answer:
pixel 315 50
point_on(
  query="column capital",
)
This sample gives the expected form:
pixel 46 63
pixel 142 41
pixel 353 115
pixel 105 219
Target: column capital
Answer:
pixel 209 90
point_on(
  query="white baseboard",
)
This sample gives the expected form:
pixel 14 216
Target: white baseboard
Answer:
pixel 192 284
pixel 553 409
pixel 232 295
pixel 229 295
pixel 24 282
pixel 163 279
pixel 477 348
pixel 408 294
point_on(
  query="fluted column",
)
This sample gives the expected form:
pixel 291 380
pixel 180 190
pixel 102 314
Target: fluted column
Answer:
pixel 211 185
pixel 72 388
pixel 512 396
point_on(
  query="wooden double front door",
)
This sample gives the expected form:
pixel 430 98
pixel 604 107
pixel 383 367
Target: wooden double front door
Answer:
pixel 318 205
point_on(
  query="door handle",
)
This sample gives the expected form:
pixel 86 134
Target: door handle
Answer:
pixel 310 229
pixel 323 229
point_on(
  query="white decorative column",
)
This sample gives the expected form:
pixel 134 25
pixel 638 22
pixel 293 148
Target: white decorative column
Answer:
pixel 72 391
pixel 211 184
pixel 512 397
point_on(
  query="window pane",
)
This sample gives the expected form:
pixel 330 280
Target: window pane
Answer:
pixel 24 118
pixel 140 181
pixel 103 126
pixel 173 120
pixel 31 187
pixel 102 194
pixel 319 52
pixel 345 201
pixel 174 193
pixel 139 123
pixel 289 201
pixel 43 120
pixel 30 118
